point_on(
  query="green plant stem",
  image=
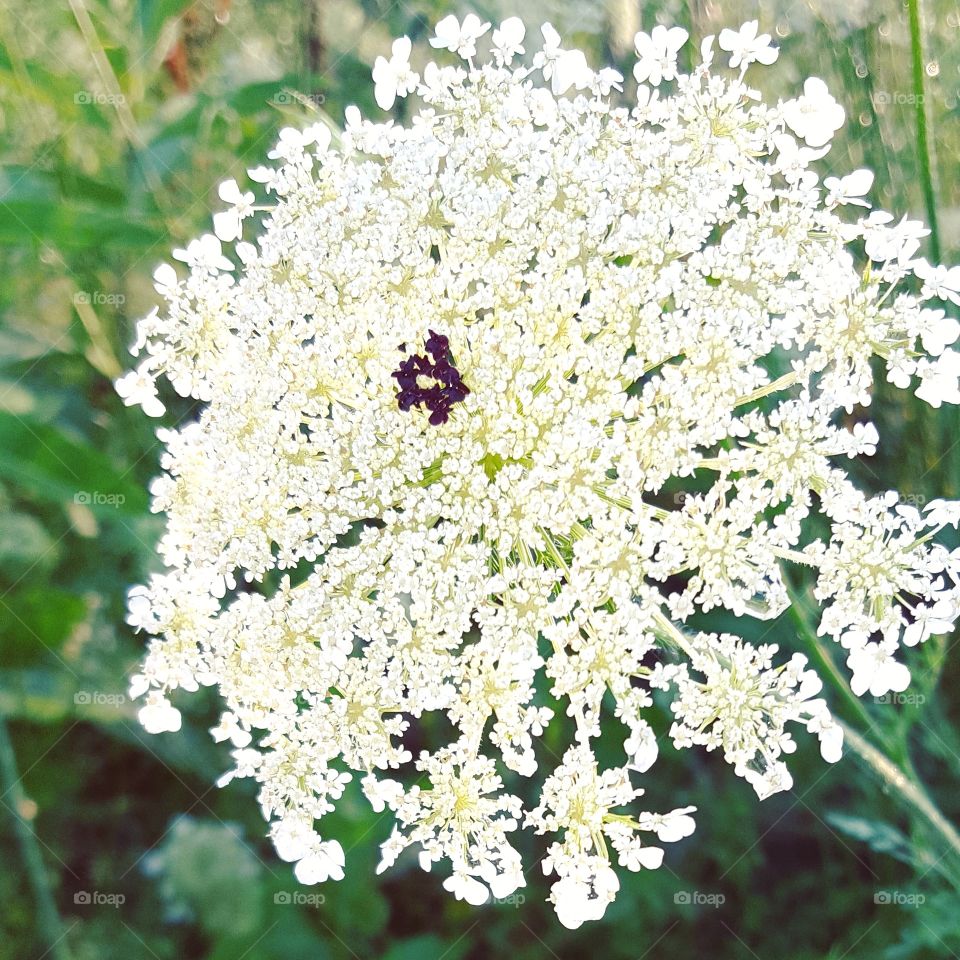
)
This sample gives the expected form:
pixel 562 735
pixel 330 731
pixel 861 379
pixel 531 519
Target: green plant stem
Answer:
pixel 900 778
pixel 876 150
pixel 48 919
pixel 128 124
pixel 906 787
pixel 923 141
pixel 815 645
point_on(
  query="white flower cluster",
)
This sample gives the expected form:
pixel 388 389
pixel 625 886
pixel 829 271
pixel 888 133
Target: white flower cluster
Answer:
pixel 743 705
pixel 449 394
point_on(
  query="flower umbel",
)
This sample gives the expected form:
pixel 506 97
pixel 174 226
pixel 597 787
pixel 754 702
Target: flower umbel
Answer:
pixel 646 348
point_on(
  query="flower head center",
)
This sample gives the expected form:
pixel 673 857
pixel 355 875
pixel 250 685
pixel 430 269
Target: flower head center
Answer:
pixel 431 380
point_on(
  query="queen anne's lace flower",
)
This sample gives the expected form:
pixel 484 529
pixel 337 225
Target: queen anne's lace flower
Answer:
pixel 452 398
pixel 743 704
pixel 745 47
pixel 393 78
pixel 657 54
pixel 815 116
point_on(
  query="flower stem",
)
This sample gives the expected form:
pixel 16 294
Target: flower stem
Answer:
pixel 781 383
pixel 907 788
pixel 48 920
pixel 904 783
pixel 671 633
pixel 923 142
pixel 833 674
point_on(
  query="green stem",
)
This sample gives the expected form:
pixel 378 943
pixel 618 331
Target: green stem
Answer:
pixel 923 142
pixel 125 117
pixel 902 779
pixel 781 383
pixel 815 645
pixel 48 920
pixel 907 788
pixel 877 153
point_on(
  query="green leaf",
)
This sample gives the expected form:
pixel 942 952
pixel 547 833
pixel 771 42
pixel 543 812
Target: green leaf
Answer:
pixel 427 945
pixel 75 184
pixel 18 345
pixel 45 463
pixel 153 14
pixel 38 695
pixel 63 223
pixel 35 619
pixel 88 213
pixel 879 836
pixel 24 543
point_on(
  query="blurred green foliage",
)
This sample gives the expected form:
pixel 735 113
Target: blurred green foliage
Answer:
pixel 118 119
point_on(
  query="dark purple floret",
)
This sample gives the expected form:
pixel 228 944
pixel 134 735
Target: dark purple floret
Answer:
pixel 446 389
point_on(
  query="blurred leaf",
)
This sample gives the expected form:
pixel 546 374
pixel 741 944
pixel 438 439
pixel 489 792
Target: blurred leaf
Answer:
pixel 165 154
pixel 928 929
pixel 24 184
pixel 16 345
pixel 879 836
pixel 86 214
pixel 289 937
pixel 15 398
pixel 47 464
pixel 39 695
pixel 35 618
pixel 153 14
pixel 428 945
pixel 189 751
pixel 75 184
pixel 62 223
pixel 24 543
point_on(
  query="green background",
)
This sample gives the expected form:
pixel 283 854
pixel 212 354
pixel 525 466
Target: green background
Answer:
pixel 118 118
